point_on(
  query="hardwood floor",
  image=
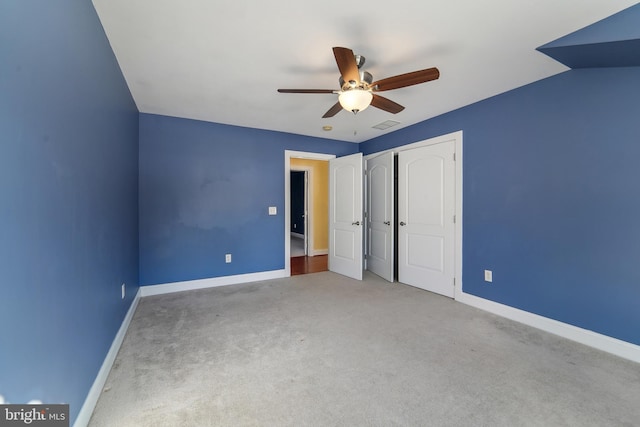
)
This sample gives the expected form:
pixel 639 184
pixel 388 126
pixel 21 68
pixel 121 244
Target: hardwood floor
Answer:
pixel 308 264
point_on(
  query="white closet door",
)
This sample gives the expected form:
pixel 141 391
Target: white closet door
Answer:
pixel 426 208
pixel 380 220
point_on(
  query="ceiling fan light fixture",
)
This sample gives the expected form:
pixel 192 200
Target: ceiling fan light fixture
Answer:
pixel 355 100
pixel 357 85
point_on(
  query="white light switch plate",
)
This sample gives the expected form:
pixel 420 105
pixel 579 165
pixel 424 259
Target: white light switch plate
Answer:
pixel 273 210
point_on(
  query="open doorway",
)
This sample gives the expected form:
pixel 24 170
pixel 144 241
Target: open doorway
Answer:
pixel 309 215
pixel 299 212
pixel 311 225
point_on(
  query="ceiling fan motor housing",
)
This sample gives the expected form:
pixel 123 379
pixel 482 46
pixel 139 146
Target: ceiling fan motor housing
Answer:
pixel 365 80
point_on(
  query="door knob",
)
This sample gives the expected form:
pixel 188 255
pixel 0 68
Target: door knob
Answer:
pixel 355 223
pixel 403 223
pixel 387 222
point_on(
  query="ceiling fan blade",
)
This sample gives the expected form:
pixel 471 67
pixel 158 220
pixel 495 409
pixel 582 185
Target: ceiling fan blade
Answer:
pixel 404 80
pixel 306 90
pixel 386 104
pixel 333 111
pixel 347 64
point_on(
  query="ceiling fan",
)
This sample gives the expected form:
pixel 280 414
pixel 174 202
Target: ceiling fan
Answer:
pixel 357 88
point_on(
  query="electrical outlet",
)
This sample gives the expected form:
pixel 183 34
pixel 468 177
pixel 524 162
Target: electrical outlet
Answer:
pixel 488 276
pixel 227 258
pixel 123 290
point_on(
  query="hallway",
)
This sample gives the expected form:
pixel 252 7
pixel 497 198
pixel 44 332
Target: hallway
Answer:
pixel 308 264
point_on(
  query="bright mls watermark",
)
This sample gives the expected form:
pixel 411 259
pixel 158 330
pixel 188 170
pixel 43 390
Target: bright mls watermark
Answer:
pixel 34 415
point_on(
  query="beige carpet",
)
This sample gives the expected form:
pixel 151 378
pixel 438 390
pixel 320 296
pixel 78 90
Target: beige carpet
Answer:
pixel 324 350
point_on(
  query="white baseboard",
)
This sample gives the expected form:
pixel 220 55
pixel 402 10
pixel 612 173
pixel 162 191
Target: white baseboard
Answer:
pixel 96 389
pixel 210 283
pixel 605 343
pixel 316 252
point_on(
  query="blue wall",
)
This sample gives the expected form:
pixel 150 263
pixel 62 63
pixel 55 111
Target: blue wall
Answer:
pixel 551 199
pixel 68 199
pixel 205 189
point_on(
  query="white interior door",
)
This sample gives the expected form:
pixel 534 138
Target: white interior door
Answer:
pixel 345 216
pixel 380 220
pixel 426 208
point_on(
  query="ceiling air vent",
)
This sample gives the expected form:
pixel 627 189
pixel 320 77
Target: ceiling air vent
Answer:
pixel 386 125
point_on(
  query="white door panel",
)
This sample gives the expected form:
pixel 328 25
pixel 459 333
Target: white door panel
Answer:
pixel 380 210
pixel 425 252
pixel 345 216
pixel 426 207
pixel 344 244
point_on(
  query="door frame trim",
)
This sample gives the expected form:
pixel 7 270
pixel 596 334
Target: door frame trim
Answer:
pixel 288 155
pixel 457 138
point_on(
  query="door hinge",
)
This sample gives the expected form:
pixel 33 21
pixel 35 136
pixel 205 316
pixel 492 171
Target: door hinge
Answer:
pixel 454 282
pixel 454 157
pixel 454 219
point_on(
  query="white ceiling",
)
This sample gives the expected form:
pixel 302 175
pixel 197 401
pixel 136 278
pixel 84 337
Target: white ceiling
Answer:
pixel 222 61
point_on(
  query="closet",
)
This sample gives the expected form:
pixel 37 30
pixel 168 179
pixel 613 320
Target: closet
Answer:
pixel 410 216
